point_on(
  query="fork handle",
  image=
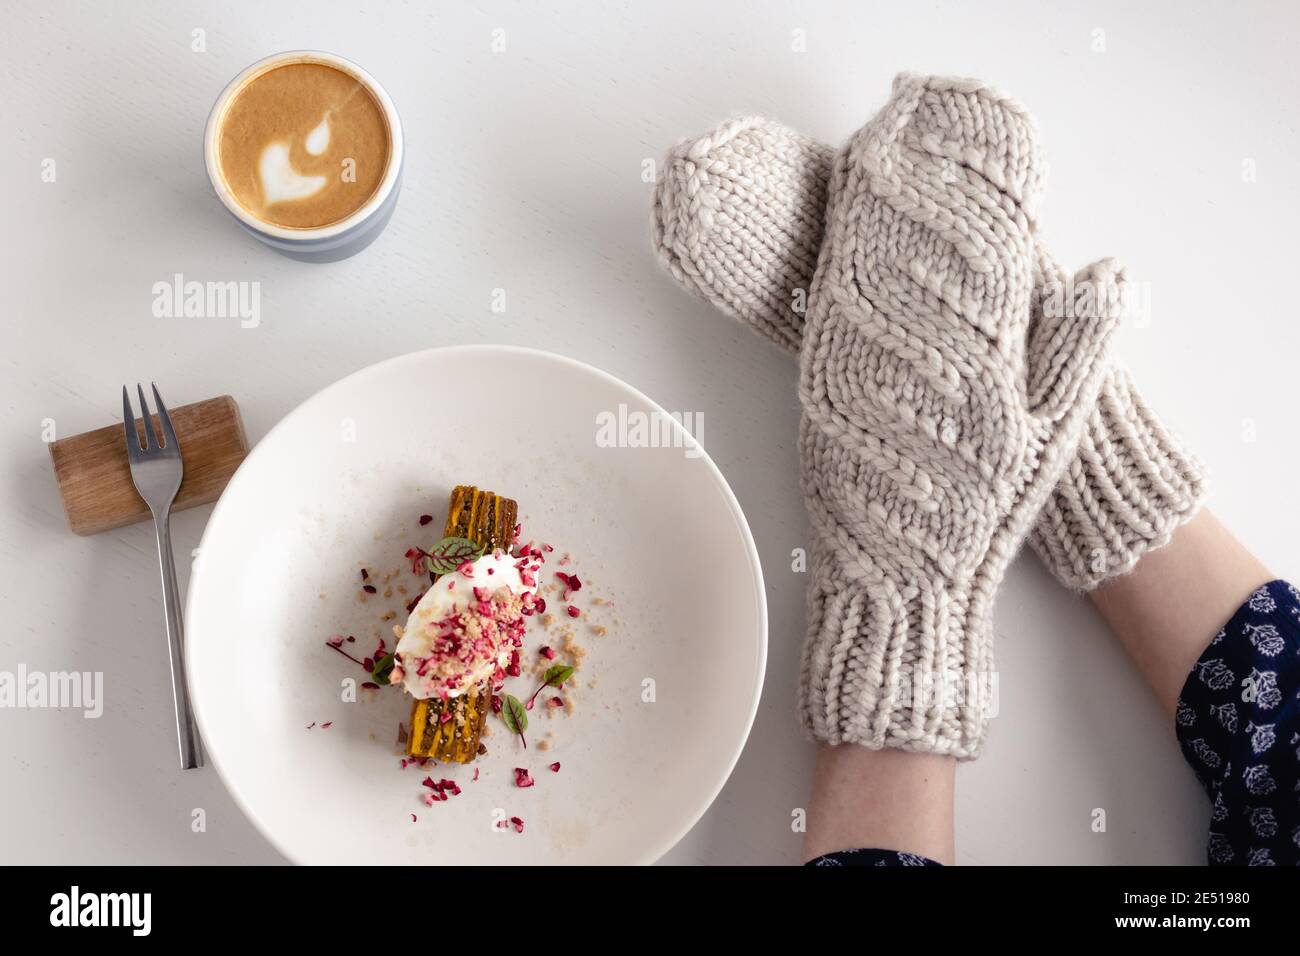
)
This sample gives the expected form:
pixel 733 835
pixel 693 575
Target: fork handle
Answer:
pixel 187 732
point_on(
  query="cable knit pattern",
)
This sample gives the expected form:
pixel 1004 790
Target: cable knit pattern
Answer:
pixel 934 423
pixel 1131 484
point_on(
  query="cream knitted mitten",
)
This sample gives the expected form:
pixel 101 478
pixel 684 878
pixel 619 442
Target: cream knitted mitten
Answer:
pixel 738 219
pixel 739 216
pixel 934 425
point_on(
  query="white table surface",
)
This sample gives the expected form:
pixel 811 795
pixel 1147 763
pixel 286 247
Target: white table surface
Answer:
pixel 523 172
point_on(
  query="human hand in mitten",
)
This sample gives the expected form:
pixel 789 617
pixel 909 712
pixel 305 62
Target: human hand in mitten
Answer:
pixel 739 218
pixel 934 426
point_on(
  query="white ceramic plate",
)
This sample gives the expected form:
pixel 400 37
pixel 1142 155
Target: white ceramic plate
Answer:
pixel 341 483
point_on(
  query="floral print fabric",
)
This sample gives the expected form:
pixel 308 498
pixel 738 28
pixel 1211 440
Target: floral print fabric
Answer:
pixel 1238 723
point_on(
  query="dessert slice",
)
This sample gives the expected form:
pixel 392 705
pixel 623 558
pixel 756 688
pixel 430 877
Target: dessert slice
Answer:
pixel 458 641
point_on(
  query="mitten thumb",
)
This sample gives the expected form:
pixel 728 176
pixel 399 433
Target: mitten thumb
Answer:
pixel 1073 324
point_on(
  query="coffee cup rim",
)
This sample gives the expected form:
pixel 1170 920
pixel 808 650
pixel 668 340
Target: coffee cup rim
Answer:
pixel 357 216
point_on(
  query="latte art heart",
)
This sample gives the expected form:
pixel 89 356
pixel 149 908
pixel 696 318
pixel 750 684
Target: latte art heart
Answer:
pixel 318 140
pixel 280 182
pixel 303 145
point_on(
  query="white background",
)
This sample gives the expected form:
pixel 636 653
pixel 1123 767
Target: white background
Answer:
pixel 523 172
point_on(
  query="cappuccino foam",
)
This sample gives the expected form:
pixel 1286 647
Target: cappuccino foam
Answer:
pixel 303 145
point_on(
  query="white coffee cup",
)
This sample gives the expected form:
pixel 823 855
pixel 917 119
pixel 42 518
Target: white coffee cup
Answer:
pixel 324 243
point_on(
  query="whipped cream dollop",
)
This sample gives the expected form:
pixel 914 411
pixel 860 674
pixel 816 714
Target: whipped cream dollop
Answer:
pixel 467 628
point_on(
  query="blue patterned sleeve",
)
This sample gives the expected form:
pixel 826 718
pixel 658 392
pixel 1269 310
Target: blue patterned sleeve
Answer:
pixel 1238 724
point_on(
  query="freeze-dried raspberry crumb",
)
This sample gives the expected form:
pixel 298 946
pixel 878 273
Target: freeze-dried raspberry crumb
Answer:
pixel 572 583
pixel 440 790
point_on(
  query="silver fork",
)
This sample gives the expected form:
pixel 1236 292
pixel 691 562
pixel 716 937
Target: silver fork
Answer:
pixel 157 470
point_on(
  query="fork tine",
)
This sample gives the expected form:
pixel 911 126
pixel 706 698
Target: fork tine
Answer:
pixel 164 419
pixel 150 442
pixel 128 423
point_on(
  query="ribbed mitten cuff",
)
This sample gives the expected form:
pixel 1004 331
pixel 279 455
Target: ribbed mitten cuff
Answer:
pixel 904 668
pixel 1130 486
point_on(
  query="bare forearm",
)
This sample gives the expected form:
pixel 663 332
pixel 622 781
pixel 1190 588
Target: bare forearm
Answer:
pixel 881 799
pixel 1167 610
